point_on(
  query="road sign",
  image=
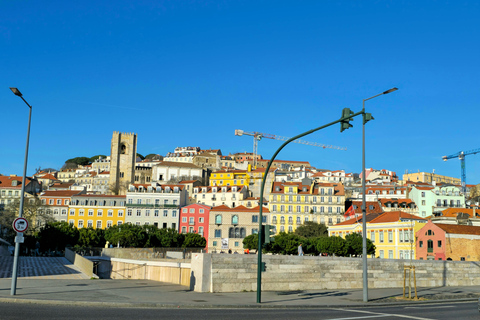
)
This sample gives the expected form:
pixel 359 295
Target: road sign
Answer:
pixel 20 224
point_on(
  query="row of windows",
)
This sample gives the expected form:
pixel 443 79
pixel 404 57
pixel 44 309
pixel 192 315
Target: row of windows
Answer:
pixel 304 189
pixel 306 209
pixel 191 220
pixel 306 199
pixel 234 233
pixel 10 193
pixel 403 236
pixel 192 230
pixel 149 201
pixel 214 190
pixel 93 203
pixel 91 212
pixel 89 224
pixel 147 212
pixel 192 210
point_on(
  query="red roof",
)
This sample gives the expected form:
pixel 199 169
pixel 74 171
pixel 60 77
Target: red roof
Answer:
pixel 59 193
pixel 394 216
pixel 459 229
pixel 240 209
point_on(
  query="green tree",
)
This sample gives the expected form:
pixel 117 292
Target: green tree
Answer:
pixel 81 161
pixel 354 244
pixel 90 237
pixel 286 243
pixel 312 229
pixel 194 240
pixel 251 242
pixel 331 245
pixel 140 156
pixel 153 156
pixel 33 211
pixel 57 236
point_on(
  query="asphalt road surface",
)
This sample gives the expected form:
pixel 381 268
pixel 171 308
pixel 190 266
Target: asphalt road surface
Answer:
pixel 22 311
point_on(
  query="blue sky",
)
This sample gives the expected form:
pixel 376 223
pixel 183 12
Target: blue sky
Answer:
pixel 188 73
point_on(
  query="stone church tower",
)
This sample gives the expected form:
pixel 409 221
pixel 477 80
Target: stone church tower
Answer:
pixel 122 161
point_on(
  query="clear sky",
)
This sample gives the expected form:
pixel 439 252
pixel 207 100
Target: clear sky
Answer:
pixel 188 73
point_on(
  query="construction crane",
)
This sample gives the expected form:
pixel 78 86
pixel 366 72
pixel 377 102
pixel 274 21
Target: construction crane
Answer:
pixel 461 155
pixel 257 136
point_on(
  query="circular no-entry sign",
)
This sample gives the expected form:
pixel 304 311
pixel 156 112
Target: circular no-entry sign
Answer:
pixel 20 224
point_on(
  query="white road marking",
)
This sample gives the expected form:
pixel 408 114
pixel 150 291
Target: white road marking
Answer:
pixel 377 315
pixel 437 307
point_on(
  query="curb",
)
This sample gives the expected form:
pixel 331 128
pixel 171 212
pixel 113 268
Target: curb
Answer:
pixel 216 306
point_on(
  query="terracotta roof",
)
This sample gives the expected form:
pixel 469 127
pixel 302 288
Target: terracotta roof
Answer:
pixel 394 216
pixel 376 207
pixel 453 212
pixel 6 182
pixel 459 229
pixel 424 188
pixel 358 219
pixel 59 193
pixel 99 196
pixel 48 176
pixel 65 185
pixel 385 201
pixel 239 209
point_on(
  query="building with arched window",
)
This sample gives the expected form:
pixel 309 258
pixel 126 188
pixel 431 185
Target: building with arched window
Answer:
pixel 229 226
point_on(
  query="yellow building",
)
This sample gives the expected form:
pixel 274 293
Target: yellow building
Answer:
pixel 230 178
pixel 292 203
pixel 392 233
pixel 430 178
pixel 96 210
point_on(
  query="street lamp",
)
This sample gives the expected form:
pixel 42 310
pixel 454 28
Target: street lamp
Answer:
pixel 366 118
pixel 22 198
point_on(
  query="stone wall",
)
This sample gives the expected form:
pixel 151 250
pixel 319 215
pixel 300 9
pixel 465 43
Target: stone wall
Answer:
pixel 171 272
pixel 235 273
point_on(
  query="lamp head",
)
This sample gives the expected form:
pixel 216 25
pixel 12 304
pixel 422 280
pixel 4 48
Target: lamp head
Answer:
pixel 390 90
pixel 16 92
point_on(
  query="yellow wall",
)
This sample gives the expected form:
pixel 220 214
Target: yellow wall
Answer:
pixel 104 217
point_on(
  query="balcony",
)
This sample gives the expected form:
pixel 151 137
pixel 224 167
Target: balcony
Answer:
pixel 157 206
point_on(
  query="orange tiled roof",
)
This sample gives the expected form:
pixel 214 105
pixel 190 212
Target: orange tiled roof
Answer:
pixel 59 193
pixel 453 212
pixel 48 176
pixel 6 182
pixel 394 216
pixel 459 229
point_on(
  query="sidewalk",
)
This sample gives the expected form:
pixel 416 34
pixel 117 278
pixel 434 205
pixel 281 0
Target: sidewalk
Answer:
pixel 56 280
pixel 146 293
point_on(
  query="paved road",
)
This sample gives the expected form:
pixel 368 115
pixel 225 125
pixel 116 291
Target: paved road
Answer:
pixel 448 311
pixel 40 268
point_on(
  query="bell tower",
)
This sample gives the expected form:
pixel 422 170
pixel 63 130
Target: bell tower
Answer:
pixel 122 161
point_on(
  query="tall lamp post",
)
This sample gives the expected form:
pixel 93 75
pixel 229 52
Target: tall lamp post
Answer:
pixel 22 197
pixel 366 118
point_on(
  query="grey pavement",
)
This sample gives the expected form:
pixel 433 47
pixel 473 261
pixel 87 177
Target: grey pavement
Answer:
pixel 44 286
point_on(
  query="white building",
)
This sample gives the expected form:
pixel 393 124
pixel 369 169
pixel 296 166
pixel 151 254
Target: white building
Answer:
pixel 155 204
pixel 166 171
pixel 220 195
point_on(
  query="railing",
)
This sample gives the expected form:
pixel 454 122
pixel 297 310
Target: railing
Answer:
pixel 429 250
pixel 159 206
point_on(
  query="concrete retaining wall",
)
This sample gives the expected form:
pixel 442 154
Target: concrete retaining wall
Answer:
pixel 172 272
pixel 234 273
pixel 85 265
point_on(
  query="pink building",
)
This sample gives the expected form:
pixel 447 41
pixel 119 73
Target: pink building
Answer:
pixel 194 219
pixel 430 242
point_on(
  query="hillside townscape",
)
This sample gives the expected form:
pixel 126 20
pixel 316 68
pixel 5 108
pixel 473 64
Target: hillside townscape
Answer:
pixel 191 191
